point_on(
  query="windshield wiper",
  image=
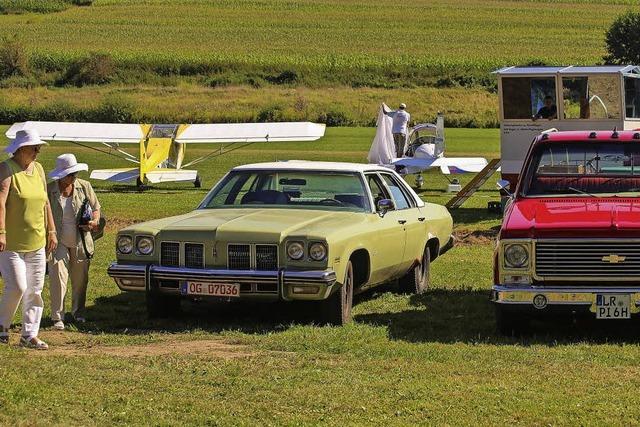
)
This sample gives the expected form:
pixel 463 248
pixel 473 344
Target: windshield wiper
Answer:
pixel 582 192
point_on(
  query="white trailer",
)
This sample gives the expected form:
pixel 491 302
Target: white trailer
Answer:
pixel 583 98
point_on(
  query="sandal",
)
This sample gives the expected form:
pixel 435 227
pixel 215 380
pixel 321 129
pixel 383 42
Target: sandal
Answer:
pixel 4 335
pixel 34 343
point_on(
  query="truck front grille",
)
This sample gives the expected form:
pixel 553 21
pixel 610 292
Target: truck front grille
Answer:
pixel 577 259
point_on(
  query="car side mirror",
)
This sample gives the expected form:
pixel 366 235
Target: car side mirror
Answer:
pixel 384 206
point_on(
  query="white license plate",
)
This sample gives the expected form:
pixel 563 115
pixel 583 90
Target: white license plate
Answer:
pixel 613 306
pixel 210 289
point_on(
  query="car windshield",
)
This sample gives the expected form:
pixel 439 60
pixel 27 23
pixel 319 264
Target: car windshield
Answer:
pixel 581 168
pixel 289 189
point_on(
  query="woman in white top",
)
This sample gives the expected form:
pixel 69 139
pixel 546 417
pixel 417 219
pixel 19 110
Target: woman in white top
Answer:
pixel 67 195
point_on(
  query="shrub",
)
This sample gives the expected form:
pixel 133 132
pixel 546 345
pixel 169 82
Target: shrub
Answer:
pixel 271 114
pixel 335 117
pixel 115 110
pixel 623 44
pixel 13 59
pixel 97 68
pixel 284 78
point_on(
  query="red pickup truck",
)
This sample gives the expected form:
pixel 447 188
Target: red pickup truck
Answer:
pixel 570 238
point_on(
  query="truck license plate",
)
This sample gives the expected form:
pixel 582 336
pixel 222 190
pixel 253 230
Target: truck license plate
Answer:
pixel 613 306
pixel 210 289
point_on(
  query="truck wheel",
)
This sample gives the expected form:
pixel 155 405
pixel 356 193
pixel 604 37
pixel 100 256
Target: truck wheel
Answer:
pixel 162 306
pixel 336 309
pixel 416 281
pixel 509 323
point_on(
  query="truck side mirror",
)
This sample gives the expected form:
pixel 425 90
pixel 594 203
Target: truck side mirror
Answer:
pixel 503 184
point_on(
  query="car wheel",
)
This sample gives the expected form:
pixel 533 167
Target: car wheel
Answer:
pixel 162 306
pixel 416 281
pixel 337 308
pixel 509 323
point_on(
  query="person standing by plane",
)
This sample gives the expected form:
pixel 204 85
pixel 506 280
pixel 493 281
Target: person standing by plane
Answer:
pixel 76 213
pixel 27 234
pixel 399 128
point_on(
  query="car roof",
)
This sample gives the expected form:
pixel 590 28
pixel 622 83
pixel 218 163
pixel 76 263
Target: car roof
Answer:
pixel 313 165
pixel 589 136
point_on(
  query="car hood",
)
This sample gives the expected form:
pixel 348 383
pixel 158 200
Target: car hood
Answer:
pixel 572 217
pixel 251 225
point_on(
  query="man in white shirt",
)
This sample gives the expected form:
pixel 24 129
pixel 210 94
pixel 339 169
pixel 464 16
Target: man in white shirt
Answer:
pixel 399 128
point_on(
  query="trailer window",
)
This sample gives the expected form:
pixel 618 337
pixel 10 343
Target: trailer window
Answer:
pixel 524 97
pixel 632 97
pixel 594 97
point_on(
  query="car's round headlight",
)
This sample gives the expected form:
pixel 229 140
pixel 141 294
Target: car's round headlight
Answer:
pixel 125 244
pixel 144 245
pixel 317 251
pixel 516 255
pixel 295 250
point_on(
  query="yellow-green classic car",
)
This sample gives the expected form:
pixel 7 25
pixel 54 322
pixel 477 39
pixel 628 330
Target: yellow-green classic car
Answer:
pixel 288 231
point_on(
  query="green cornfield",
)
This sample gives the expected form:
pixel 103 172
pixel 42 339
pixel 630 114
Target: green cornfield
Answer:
pixel 319 37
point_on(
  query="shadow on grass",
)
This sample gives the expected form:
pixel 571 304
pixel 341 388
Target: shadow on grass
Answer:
pixel 126 313
pixel 467 316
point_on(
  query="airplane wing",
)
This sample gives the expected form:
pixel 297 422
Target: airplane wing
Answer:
pixel 251 132
pixel 112 133
pixel 460 164
pixel 447 165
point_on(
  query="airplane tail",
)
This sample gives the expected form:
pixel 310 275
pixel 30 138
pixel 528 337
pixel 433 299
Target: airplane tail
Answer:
pixel 155 176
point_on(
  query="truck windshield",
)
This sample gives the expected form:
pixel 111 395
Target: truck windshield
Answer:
pixel 578 168
pixel 289 189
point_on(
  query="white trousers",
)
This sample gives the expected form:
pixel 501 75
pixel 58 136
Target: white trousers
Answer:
pixel 23 277
pixel 68 264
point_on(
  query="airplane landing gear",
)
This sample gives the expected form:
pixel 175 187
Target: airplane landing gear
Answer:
pixel 198 182
pixel 139 184
pixel 419 181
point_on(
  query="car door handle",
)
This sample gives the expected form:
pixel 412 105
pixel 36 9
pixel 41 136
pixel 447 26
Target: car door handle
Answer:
pixel 421 218
pixel 402 221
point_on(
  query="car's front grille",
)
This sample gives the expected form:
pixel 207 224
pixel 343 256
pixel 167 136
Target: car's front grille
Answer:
pixel 239 257
pixel 576 259
pixel 170 254
pixel 267 257
pixel 194 255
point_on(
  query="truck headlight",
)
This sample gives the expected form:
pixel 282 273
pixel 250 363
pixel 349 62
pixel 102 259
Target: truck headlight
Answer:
pixel 295 250
pixel 124 244
pixel 516 255
pixel 317 251
pixel 144 245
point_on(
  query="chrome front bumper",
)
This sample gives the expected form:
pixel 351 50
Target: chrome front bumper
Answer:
pixel 568 297
pixel 280 284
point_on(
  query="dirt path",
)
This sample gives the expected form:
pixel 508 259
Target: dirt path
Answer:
pixel 75 344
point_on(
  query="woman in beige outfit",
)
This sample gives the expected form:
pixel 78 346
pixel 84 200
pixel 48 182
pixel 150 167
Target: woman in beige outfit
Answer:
pixel 67 195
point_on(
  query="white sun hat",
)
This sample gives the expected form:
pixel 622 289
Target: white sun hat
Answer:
pixel 23 138
pixel 65 165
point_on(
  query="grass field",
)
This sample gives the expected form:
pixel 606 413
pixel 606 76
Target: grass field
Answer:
pixel 321 60
pixel 426 359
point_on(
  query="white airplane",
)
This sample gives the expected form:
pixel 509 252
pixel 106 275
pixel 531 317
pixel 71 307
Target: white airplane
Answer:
pixel 162 146
pixel 424 149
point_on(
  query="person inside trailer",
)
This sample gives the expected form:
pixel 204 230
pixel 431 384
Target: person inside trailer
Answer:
pixel 548 111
